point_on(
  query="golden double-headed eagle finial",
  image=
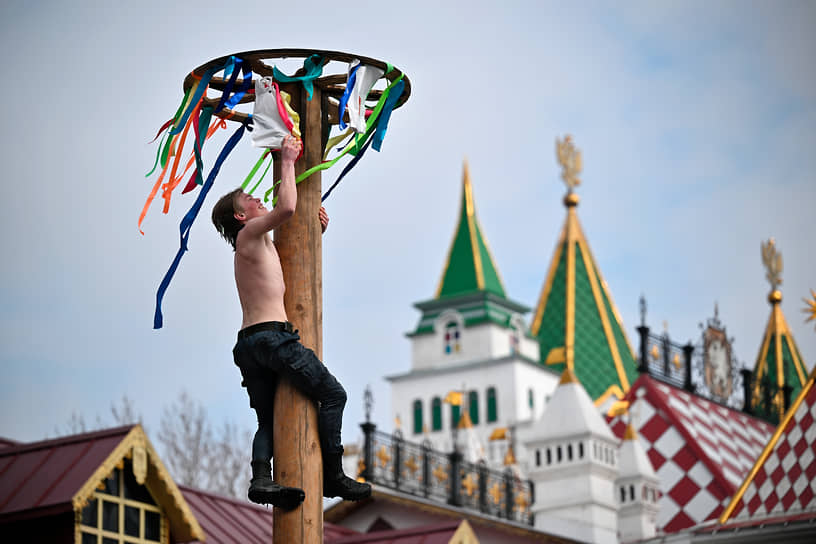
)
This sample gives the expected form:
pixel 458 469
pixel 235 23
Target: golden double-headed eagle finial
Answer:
pixel 569 157
pixel 772 260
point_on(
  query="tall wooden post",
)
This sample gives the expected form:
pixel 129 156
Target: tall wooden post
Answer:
pixel 297 460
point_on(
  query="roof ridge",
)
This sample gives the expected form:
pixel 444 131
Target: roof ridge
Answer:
pixel 23 447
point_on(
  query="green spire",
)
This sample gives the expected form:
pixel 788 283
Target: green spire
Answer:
pixel 470 282
pixel 470 266
pixel 779 362
pixel 576 322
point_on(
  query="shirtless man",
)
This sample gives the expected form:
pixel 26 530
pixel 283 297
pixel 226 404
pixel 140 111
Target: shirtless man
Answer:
pixel 269 347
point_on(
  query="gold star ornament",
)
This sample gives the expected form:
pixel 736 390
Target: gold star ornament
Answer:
pixel 810 307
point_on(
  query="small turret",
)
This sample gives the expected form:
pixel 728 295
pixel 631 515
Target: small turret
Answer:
pixel 638 490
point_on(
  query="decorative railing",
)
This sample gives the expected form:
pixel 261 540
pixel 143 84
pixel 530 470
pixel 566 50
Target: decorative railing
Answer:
pixel 419 470
pixel 665 360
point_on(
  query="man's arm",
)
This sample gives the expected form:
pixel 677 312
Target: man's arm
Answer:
pixel 287 192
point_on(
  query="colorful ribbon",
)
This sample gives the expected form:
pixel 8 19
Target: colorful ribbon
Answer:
pixel 187 222
pixel 313 66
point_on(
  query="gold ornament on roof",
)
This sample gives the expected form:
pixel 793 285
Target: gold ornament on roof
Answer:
pixel 440 473
pixel 495 493
pixel 569 157
pixel 810 309
pixel 772 260
pixel 411 464
pixel 470 485
pixel 676 361
pixel 522 502
pixel 383 456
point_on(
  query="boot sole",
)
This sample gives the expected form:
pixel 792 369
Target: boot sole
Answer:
pixel 286 498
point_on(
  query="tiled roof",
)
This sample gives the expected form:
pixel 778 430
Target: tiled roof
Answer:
pixel 576 321
pixel 783 479
pixel 700 450
pixel 49 473
pixel 226 520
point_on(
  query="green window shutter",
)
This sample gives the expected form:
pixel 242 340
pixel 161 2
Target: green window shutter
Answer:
pixel 436 414
pixel 492 410
pixel 473 401
pixel 417 417
pixel 454 415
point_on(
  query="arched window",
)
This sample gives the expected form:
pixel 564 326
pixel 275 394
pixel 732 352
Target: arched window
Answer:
pixel 549 456
pixel 455 414
pixel 452 344
pixel 569 452
pixel 417 416
pixel 473 403
pixel 492 408
pixel 530 398
pixel 436 414
pixel 538 458
pixel 623 494
pixel 631 492
pixel 558 454
pixel 580 450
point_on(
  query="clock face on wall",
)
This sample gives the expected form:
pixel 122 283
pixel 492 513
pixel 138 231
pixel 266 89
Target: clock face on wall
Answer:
pixel 717 362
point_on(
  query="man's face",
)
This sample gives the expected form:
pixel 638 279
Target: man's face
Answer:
pixel 248 207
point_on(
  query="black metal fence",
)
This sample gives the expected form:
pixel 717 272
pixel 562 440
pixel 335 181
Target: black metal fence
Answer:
pixel 417 469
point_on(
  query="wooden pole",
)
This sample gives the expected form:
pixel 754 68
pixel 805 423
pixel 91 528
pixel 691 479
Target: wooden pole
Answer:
pixel 297 460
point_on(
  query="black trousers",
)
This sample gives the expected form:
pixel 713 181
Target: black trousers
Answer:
pixel 266 351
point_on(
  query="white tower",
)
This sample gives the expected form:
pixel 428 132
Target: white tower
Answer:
pixel 637 490
pixel 573 463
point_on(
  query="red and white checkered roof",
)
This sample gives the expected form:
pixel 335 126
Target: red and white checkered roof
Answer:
pixel 784 479
pixel 701 451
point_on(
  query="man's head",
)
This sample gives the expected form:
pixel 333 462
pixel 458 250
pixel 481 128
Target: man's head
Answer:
pixel 232 211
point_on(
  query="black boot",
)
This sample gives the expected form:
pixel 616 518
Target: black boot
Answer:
pixel 337 484
pixel 263 490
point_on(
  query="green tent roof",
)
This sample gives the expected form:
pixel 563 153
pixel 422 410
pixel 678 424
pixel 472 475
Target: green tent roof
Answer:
pixel 470 282
pixel 779 361
pixel 469 267
pixel 576 321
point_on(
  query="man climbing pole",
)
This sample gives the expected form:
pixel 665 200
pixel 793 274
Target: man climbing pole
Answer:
pixel 268 346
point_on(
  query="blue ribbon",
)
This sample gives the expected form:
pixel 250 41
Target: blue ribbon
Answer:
pixel 233 101
pixel 347 169
pixel 228 89
pixel 341 107
pixel 385 114
pixel 187 222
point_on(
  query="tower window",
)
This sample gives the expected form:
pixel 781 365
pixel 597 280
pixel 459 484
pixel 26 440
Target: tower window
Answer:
pixel 549 456
pixel 580 450
pixel 530 399
pixel 417 416
pixel 538 458
pixel 455 414
pixel 558 454
pixel 492 409
pixel 631 492
pixel 473 403
pixel 623 494
pixel 436 414
pixel 569 452
pixel 452 344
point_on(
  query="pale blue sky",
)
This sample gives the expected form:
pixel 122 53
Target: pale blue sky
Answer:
pixel 697 123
